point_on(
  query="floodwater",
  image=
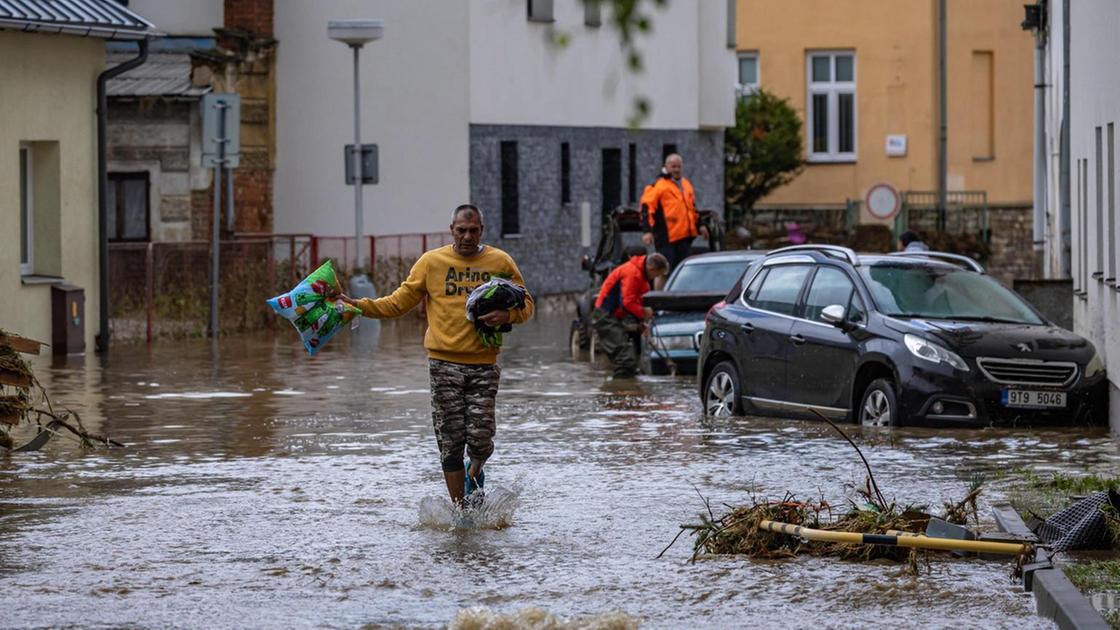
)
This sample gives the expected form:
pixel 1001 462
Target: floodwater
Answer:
pixel 263 489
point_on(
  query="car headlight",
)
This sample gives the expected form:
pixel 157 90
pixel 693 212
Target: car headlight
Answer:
pixel 676 342
pixel 1095 366
pixel 933 353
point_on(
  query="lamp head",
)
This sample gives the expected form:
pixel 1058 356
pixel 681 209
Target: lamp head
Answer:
pixel 355 32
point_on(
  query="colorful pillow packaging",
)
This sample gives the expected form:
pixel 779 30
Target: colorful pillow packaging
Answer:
pixel 311 309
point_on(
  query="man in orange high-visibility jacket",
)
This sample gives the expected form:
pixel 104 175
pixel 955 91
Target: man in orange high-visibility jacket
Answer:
pixel 669 218
pixel 619 310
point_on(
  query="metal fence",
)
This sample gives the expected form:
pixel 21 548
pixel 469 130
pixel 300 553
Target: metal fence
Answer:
pixel 162 288
pixel 966 212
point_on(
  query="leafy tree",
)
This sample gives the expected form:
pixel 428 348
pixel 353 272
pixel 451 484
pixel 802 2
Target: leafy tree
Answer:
pixel 762 152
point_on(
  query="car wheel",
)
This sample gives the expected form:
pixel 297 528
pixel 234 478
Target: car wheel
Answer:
pixel 879 407
pixel 721 393
pixel 592 347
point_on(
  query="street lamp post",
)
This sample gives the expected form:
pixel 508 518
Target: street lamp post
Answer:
pixel 355 34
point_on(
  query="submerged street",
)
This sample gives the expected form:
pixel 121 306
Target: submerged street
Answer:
pixel 260 488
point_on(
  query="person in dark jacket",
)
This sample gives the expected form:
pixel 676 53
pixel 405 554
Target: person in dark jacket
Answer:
pixel 619 311
pixel 670 221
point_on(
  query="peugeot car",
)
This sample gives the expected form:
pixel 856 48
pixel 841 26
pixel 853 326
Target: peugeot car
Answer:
pixel 908 338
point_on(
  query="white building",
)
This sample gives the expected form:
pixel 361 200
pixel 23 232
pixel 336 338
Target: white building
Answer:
pixel 520 106
pixel 1093 169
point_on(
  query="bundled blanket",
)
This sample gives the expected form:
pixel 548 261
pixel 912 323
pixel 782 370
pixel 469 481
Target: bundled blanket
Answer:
pixel 497 294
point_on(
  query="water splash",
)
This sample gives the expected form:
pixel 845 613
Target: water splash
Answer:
pixel 482 618
pixel 495 512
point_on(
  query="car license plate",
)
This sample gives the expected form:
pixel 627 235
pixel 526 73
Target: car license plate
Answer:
pixel 1033 398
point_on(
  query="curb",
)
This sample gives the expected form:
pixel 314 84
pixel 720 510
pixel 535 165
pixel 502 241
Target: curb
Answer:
pixel 1055 597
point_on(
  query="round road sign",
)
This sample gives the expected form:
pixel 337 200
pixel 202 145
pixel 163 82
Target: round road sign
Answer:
pixel 883 201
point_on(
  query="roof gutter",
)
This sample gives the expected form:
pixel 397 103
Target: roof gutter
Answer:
pixel 102 32
pixel 103 191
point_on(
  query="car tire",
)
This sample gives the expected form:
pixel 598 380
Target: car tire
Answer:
pixel 879 405
pixel 592 347
pixel 576 342
pixel 721 391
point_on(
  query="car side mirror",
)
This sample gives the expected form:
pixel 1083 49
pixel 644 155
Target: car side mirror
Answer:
pixel 834 315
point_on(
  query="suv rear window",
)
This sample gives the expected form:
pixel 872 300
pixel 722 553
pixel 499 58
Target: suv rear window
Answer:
pixel 780 289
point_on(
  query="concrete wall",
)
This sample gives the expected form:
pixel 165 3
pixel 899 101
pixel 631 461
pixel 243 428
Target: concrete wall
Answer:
pixel 520 75
pixel 176 17
pixel 895 44
pixel 48 87
pixel 1096 103
pixel 415 103
pixel 548 248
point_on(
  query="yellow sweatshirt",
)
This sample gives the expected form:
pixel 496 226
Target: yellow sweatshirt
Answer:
pixel 447 279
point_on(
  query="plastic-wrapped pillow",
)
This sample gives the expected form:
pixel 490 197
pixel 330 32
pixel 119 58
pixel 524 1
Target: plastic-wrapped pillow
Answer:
pixel 311 309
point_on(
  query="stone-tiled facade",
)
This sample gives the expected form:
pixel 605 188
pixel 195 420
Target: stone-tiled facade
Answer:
pixel 548 248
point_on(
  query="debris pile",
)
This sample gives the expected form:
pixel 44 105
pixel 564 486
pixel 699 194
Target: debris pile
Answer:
pixel 23 399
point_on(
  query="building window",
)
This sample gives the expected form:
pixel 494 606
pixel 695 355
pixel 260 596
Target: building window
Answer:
pixel 1111 271
pixel 565 173
pixel 511 223
pixel 748 74
pixel 632 166
pixel 592 13
pixel 831 106
pixel 982 105
pixel 1098 270
pixel 127 207
pixel 26 214
pixel 539 10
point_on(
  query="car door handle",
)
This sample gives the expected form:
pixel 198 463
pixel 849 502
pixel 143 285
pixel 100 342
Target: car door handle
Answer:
pixel 797 339
pixel 747 327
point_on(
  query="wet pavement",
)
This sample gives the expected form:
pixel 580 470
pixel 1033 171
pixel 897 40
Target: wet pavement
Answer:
pixel 260 488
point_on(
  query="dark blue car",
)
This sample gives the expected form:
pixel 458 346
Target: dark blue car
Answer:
pixel 693 287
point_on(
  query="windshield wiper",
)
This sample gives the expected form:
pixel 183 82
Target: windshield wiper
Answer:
pixel 988 319
pixel 965 318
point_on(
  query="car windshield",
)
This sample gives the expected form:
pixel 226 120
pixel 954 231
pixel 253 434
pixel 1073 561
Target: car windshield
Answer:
pixel 714 277
pixel 944 293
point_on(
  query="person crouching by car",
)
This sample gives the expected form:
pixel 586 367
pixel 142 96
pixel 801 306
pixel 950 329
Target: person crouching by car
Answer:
pixel 619 311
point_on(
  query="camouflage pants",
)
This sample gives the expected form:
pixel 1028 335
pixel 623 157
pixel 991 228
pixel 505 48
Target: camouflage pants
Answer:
pixel 463 401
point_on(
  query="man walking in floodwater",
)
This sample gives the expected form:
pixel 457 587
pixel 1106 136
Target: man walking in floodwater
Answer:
pixel 464 372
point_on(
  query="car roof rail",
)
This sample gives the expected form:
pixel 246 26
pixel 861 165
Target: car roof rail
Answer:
pixel 946 257
pixel 828 250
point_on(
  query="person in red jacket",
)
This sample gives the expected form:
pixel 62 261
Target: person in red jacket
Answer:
pixel 619 310
pixel 670 221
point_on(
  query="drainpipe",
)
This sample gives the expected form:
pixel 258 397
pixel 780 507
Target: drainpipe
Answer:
pixel 1064 223
pixel 103 191
pixel 942 115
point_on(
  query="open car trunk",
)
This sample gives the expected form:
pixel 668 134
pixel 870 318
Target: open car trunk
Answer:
pixel 682 301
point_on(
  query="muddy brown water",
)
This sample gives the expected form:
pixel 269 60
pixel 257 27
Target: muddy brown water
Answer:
pixel 263 489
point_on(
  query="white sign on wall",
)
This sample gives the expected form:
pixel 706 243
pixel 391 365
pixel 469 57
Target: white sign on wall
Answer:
pixel 896 145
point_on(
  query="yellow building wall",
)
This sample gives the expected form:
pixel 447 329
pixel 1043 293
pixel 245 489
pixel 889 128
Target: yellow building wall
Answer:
pixel 48 95
pixel 895 44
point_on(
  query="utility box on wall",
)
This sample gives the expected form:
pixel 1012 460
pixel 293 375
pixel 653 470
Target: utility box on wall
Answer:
pixel 68 317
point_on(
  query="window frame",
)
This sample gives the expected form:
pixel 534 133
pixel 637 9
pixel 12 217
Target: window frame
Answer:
pixel 832 89
pixel 27 208
pixel 746 90
pixel 117 180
